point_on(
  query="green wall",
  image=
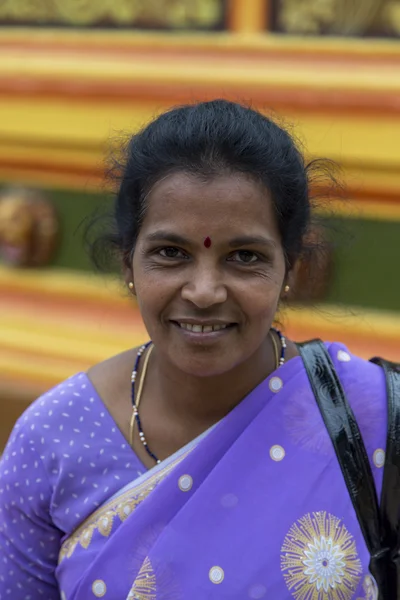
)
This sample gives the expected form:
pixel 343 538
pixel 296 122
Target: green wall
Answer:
pixel 367 264
pixel 367 252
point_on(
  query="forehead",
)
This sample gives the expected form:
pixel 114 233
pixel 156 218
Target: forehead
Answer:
pixel 204 205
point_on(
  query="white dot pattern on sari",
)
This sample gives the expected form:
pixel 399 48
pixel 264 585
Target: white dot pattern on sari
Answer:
pixel 185 483
pixel 379 458
pixel 343 356
pixel 99 588
pixel 64 457
pixel 277 453
pixel 275 384
pixel 216 575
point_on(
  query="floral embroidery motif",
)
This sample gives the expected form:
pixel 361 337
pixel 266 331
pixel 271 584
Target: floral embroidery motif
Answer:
pixel 145 585
pixel 319 559
pixel 116 510
pixel 103 524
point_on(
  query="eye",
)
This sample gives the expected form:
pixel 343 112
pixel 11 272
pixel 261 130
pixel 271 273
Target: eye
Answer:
pixel 244 257
pixel 171 252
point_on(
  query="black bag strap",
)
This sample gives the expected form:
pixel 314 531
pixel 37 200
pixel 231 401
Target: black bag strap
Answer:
pixel 346 439
pixel 390 496
pixel 379 525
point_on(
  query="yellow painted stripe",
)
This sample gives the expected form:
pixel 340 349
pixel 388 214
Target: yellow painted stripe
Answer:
pixel 38 369
pixel 361 143
pixel 353 209
pixel 354 46
pixel 65 284
pixel 216 72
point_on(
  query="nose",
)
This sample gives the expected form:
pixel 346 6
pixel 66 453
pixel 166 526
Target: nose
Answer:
pixel 205 287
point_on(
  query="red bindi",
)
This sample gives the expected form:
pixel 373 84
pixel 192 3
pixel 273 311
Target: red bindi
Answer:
pixel 207 242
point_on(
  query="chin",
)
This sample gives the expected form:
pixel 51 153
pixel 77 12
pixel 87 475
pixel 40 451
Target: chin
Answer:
pixel 201 363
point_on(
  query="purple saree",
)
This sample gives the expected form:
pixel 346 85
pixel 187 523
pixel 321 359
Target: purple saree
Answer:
pixel 255 508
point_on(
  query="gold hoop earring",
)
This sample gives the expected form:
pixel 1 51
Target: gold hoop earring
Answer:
pixel 287 288
pixel 131 285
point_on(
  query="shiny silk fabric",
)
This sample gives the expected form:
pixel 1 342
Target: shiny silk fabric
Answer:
pixel 379 524
pixel 258 508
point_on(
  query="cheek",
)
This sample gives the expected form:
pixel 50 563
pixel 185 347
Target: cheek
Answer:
pixel 262 305
pixel 153 294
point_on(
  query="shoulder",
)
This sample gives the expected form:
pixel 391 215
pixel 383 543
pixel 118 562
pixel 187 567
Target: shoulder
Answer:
pixel 45 417
pixel 356 373
pixel 111 378
pixel 364 384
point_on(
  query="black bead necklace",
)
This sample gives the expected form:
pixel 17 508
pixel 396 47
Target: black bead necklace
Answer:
pixel 135 413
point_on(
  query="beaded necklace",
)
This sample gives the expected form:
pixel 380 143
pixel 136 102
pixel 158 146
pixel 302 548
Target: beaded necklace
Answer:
pixel 135 402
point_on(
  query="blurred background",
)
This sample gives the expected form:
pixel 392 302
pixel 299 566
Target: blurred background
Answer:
pixel 76 76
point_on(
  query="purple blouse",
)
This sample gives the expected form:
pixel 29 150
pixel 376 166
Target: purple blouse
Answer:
pixel 64 457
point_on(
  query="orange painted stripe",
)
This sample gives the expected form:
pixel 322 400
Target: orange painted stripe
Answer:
pixel 384 103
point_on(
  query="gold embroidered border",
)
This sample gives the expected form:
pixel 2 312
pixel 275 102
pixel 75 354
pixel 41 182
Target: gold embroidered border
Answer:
pixel 119 508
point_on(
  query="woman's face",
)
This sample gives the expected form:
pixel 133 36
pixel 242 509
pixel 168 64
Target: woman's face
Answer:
pixel 208 307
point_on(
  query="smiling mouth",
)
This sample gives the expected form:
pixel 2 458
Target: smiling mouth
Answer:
pixel 197 328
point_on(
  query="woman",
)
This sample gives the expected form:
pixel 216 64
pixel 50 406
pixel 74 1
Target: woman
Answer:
pixel 198 466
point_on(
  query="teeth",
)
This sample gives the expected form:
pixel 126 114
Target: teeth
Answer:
pixel 202 328
pixel 207 328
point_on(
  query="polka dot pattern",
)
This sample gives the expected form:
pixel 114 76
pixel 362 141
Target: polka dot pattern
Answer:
pixel 99 588
pixel 185 483
pixel 343 356
pixel 379 458
pixel 275 384
pixel 64 458
pixel 216 575
pixel 277 453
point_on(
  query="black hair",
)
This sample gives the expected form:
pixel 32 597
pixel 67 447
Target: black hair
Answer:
pixel 209 139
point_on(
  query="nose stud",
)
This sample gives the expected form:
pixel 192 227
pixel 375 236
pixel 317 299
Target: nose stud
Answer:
pixel 207 242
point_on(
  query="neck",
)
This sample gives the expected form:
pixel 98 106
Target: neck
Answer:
pixel 206 400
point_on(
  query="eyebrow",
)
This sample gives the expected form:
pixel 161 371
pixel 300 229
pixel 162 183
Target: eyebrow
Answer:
pixel 162 235
pixel 246 240
pixel 251 240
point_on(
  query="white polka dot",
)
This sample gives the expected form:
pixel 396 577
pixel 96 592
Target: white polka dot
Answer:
pixel 229 500
pixel 216 575
pixel 99 588
pixel 185 483
pixel 257 591
pixel 343 356
pixel 275 384
pixel 379 457
pixel 63 596
pixel 277 453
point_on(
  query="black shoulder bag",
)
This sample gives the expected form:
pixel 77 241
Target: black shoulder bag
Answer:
pixel 379 523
